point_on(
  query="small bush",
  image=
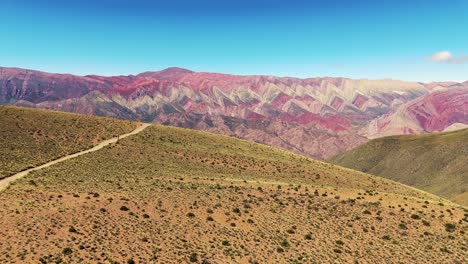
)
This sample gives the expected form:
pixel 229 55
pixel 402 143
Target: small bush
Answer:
pixel 190 215
pixel 449 227
pixel 415 217
pixel 124 208
pixel 193 257
pixel 337 250
pixel 67 251
pixel 386 237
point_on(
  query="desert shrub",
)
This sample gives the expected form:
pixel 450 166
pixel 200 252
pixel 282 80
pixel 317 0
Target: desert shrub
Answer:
pixel 124 208
pixel 449 227
pixel 445 250
pixel 190 215
pixel 284 243
pixel 193 257
pixel 386 237
pixel 415 217
pixel 67 251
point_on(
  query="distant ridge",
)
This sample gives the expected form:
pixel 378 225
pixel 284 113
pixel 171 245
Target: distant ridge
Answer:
pixel 316 117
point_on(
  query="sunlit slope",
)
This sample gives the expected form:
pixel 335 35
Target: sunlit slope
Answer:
pixel 165 152
pixel 30 137
pixel 172 195
pixel 437 163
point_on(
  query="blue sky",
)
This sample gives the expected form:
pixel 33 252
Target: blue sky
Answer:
pixel 357 39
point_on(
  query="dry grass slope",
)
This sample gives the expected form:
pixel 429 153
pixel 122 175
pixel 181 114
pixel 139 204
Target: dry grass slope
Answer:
pixel 30 137
pixel 172 195
pixel 437 163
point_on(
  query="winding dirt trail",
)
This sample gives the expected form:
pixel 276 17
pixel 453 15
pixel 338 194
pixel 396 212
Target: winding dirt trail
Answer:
pixel 4 182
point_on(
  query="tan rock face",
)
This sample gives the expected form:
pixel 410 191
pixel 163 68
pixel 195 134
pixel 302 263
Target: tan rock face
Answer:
pixel 317 117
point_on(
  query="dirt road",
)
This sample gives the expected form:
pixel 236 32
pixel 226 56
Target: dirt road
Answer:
pixel 4 182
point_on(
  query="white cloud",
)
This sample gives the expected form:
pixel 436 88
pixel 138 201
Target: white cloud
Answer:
pixel 447 57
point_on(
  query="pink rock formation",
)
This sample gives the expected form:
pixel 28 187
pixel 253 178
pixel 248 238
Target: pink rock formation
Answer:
pixel 318 117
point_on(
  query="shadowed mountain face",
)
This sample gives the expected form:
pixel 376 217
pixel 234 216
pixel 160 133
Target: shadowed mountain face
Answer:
pixel 317 117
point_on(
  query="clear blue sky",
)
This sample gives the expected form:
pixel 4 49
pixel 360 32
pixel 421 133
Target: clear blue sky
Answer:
pixel 358 39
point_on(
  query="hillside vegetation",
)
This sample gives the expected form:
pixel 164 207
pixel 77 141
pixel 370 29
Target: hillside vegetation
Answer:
pixel 172 195
pixel 437 163
pixel 29 137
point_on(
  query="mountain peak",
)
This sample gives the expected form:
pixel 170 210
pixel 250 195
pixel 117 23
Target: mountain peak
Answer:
pixel 176 69
pixel 171 73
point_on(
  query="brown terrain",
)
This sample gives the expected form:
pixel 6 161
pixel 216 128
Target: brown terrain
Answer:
pixel 171 195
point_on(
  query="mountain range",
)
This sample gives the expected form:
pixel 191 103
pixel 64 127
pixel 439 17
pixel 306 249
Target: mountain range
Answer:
pixel 316 117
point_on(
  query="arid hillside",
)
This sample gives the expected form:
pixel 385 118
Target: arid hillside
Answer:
pixel 30 137
pixel 172 195
pixel 437 163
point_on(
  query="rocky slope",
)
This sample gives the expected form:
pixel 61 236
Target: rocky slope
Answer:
pixel 433 112
pixel 317 117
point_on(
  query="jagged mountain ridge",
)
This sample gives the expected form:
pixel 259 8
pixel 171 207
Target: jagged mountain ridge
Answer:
pixel 317 117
